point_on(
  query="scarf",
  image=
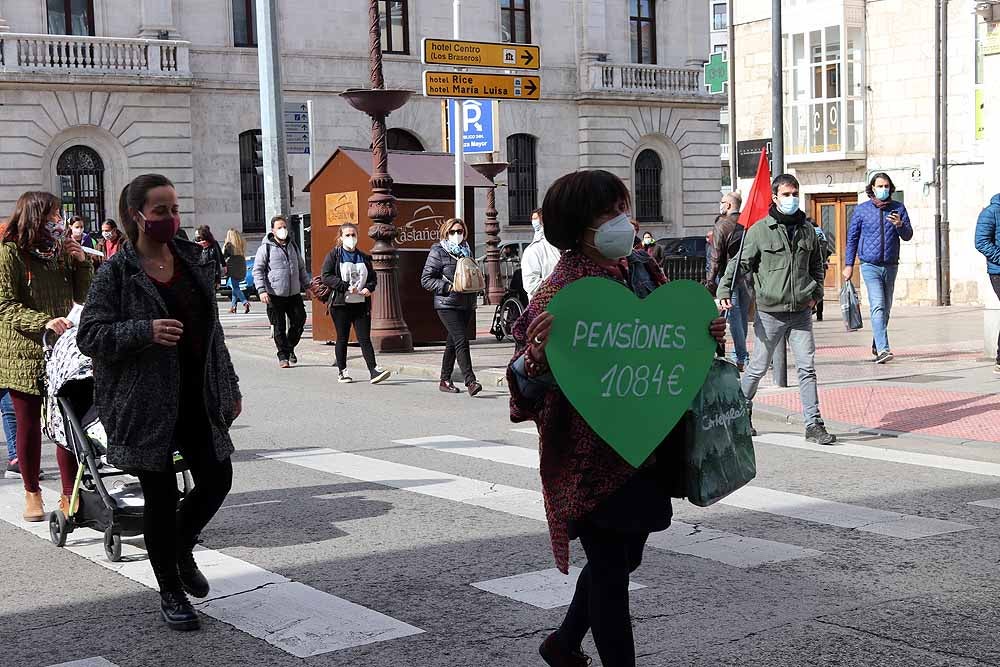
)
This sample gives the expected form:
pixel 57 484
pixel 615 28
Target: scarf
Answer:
pixel 460 250
pixel 879 204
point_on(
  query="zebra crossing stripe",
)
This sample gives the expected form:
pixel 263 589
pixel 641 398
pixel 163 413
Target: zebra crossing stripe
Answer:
pixel 289 615
pixel 679 538
pixel 755 498
pixel 87 662
pixel 884 454
pixel 545 589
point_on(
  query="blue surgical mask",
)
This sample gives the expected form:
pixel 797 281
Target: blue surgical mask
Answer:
pixel 788 205
pixel 882 193
pixel 615 237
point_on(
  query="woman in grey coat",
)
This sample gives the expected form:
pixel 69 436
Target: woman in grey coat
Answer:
pixel 164 382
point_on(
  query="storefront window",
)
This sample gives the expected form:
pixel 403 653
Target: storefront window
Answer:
pixel 824 117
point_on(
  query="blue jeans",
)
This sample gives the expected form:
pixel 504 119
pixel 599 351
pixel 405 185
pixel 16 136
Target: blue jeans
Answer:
pixel 9 424
pixel 880 282
pixel 238 295
pixel 738 316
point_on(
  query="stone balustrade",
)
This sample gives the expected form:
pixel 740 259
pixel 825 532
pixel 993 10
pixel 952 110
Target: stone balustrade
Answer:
pixel 645 79
pixel 93 55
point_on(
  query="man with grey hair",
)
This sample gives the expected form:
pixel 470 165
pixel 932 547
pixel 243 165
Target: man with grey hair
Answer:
pixel 726 238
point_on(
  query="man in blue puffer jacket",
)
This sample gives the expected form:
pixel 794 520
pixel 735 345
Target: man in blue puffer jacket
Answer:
pixel 988 243
pixel 876 229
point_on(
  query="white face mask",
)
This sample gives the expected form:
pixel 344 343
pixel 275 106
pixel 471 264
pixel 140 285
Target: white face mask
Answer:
pixel 281 234
pixel 350 242
pixel 456 237
pixel 107 235
pixel 723 209
pixel 77 232
pixel 614 238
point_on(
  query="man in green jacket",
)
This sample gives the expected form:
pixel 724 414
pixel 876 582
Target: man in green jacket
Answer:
pixel 783 255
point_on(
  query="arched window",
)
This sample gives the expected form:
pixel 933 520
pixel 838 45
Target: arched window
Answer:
pixel 648 187
pixel 401 140
pixel 522 178
pixel 252 181
pixel 81 184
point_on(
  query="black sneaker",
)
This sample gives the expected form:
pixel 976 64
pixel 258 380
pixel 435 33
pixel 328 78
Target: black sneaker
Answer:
pixel 884 357
pixel 193 581
pixel 817 433
pixel 753 431
pixel 996 369
pixel 177 611
pixel 13 471
pixel 379 375
pixel 292 359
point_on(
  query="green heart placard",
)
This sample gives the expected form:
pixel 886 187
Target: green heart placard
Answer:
pixel 631 367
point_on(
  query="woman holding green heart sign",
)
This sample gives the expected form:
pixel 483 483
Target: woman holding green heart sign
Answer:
pixel 591 492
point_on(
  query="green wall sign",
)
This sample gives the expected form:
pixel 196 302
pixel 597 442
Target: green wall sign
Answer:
pixel 716 74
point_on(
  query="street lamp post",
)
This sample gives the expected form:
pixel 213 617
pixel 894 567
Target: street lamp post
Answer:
pixel 389 330
pixel 491 170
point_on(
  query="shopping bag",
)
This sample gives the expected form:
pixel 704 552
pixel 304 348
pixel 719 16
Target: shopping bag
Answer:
pixel 719 455
pixel 850 307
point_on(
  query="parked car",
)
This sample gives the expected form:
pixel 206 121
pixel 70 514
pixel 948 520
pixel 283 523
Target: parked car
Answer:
pixel 246 285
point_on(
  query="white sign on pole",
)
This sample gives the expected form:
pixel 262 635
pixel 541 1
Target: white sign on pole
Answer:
pixel 481 127
pixel 297 128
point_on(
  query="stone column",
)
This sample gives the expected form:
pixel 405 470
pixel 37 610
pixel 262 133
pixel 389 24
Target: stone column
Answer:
pixel 4 26
pixel 991 87
pixel 157 16
pixel 593 42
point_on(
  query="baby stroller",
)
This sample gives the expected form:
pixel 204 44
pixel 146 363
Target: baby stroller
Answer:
pixel 71 421
pixel 512 305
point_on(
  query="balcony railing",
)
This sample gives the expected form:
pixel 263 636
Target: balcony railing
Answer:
pixel 645 79
pixel 97 55
pixel 725 151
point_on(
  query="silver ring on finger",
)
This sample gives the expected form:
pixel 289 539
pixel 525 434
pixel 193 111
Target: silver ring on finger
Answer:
pixel 538 340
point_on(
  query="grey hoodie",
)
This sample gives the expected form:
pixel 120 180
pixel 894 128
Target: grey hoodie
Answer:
pixel 279 270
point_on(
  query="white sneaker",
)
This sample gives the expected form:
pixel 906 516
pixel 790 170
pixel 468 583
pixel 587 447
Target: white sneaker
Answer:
pixel 379 375
pixel 344 378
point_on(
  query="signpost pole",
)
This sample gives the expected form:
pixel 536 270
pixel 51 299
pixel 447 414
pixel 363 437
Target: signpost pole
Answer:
pixel 312 139
pixel 276 195
pixel 778 154
pixel 458 126
pixel 733 173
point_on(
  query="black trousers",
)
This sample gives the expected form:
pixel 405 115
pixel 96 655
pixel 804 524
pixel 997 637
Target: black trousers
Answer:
pixel 358 315
pixel 457 348
pixel 600 603
pixel 287 315
pixel 995 280
pixel 168 528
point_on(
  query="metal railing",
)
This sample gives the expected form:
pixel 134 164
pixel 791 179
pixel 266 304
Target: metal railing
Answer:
pixel 99 55
pixel 645 79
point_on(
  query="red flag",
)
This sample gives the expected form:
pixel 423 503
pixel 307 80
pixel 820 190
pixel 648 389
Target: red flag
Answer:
pixel 759 200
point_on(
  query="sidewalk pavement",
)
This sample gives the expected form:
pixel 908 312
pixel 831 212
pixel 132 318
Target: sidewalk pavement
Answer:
pixel 939 386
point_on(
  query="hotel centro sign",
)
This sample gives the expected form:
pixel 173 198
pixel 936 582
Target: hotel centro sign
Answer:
pixel 418 223
pixel 458 53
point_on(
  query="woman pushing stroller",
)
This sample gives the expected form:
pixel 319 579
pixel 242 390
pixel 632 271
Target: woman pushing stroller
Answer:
pixel 164 382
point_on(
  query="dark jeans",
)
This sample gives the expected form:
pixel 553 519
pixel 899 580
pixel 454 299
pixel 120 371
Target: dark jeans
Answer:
pixel 995 280
pixel 287 315
pixel 456 322
pixel 356 314
pixel 167 527
pixel 600 603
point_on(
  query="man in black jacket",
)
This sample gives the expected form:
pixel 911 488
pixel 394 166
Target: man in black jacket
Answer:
pixel 726 238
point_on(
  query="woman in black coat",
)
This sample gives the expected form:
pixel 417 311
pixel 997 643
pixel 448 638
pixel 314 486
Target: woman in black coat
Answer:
pixel 163 382
pixel 456 310
pixel 349 274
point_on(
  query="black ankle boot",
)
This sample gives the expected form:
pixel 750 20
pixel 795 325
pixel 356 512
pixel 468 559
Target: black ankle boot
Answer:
pixel 177 611
pixel 193 581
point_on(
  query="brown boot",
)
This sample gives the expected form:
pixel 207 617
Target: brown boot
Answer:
pixel 64 502
pixel 33 510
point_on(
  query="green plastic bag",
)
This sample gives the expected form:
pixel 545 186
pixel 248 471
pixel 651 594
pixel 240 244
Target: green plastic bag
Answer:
pixel 719 455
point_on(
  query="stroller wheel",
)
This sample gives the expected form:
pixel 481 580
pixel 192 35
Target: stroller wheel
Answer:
pixel 58 528
pixel 112 546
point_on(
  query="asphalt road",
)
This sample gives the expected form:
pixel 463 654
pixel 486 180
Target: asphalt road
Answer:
pixel 862 555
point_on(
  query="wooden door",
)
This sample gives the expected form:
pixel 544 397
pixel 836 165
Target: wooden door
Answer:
pixel 833 213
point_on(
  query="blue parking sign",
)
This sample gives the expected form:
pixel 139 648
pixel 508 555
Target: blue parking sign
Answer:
pixel 480 125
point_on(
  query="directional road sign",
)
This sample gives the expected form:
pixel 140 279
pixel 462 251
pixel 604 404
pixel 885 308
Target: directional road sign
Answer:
pixel 296 128
pixel 480 126
pixel 458 53
pixel 460 85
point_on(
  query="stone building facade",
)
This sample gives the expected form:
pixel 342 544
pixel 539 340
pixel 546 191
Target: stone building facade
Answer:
pixel 859 99
pixel 171 86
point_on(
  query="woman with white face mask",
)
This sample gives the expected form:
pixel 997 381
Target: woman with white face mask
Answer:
pixel 456 309
pixel 591 492
pixel 350 275
pixel 78 232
